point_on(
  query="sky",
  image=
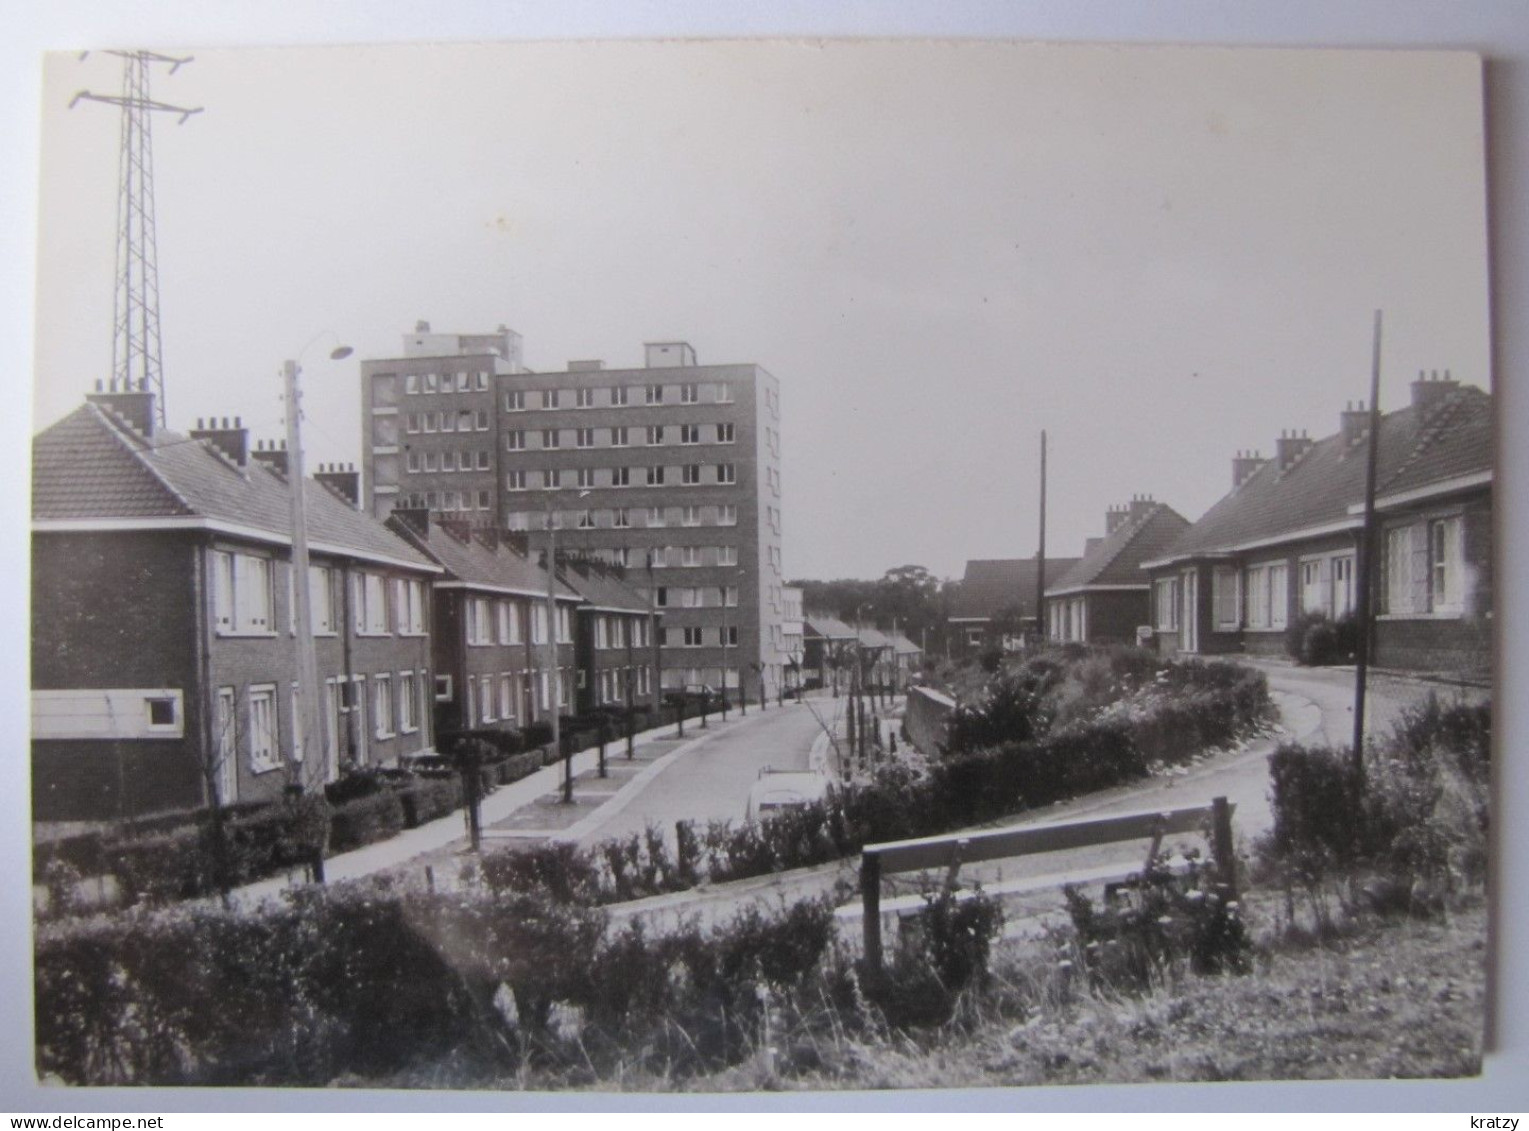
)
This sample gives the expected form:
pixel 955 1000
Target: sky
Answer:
pixel 1159 256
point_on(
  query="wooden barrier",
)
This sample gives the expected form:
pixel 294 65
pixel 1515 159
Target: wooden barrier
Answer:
pixel 951 851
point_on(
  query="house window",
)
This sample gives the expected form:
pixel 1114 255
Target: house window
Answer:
pixel 551 438
pixel 1167 593
pixel 618 395
pixel 515 481
pixel 549 398
pixel 242 599
pixel 263 755
pixel 725 434
pixel 1226 597
pixel 382 705
pixel 1279 594
pixel 690 393
pixel 564 625
pixel 515 400
pixel 584 437
pixel 690 474
pixel 226 739
pixel 506 696
pixel 655 477
pixel 407 690
pixel 1444 560
pixel 321 599
pixel 443 690
pixel 409 606
pixel 618 437
pixel 369 597
pixel 690 433
pixel 1343 585
pixel 538 623
pixel 485 699
pixel 727 473
pixel 1315 583
pixel 584 398
pixel 653 394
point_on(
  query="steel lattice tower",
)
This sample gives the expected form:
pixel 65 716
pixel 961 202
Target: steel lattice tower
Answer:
pixel 137 361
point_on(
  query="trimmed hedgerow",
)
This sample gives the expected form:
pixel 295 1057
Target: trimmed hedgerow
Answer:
pixel 366 821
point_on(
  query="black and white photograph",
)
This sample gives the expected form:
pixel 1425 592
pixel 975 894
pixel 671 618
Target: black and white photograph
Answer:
pixel 659 566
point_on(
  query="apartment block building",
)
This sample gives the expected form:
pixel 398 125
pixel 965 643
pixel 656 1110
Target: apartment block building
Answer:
pixel 671 470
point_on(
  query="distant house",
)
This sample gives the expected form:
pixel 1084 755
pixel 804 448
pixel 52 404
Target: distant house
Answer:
pixel 1284 542
pixel 163 630
pixel 616 631
pixel 828 644
pixel 791 635
pixel 995 590
pixel 908 658
pixel 1105 597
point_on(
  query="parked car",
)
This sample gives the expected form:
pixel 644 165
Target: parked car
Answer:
pixel 785 789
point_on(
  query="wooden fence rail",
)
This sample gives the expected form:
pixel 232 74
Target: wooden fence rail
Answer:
pixel 951 851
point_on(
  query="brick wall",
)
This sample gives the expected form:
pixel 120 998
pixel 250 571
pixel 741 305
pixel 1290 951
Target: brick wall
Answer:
pixel 927 719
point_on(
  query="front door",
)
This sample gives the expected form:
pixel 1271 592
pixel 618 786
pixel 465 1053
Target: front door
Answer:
pixel 1189 626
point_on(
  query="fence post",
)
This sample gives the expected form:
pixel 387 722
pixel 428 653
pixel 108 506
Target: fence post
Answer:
pixel 1221 845
pixel 870 895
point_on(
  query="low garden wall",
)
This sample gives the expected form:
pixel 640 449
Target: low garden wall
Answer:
pixel 927 719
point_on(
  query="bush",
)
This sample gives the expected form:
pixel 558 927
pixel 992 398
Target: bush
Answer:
pixel 365 821
pixel 1312 639
pixel 428 798
pixel 939 953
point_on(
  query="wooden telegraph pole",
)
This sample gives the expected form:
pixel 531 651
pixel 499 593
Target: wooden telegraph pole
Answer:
pixel 1364 597
pixel 1040 554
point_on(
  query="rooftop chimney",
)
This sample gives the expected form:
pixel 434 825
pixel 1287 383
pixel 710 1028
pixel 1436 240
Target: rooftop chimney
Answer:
pixel 1244 465
pixel 344 481
pixel 1141 506
pixel 1090 545
pixel 421 327
pixel 1289 448
pixel 273 457
pixel 488 536
pixel 1353 423
pixel 132 403
pixel 233 440
pixel 416 519
pixel 1114 518
pixel 1429 389
pixel 458 528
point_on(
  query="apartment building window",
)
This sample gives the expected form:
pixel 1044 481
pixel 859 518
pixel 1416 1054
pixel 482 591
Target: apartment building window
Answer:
pixel 691 516
pixel 621 518
pixel 480 418
pixel 410 383
pixel 586 520
pixel 725 433
pixel 584 398
pixel 409 606
pixel 430 382
pixel 551 438
pixel 661 597
pixel 655 435
pixel 621 477
pixel 690 433
pixel 690 556
pixel 448 421
pixel 618 437
pixel 413 463
pixel 483 459
pixel 382 705
pixel 515 400
pixel 515 441
pixel 693 637
pixel 730 596
pixel 263 752
pixel 690 393
pixel 515 481
pixel 727 555
pixel 242 598
pixel 585 477
pixel 1226 597
pixel 411 422
pixel 584 437
pixel 732 636
pixel 727 515
pixel 655 477
pixel 653 394
pixel 552 479
pixel 618 395
pixel 724 393
pixel 464 382
pixel 549 398
pixel 690 474
pixel 727 473
pixel 465 420
pixel 657 516
pixel 482 381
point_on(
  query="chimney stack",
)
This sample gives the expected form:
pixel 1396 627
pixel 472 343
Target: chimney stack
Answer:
pixel 233 440
pixel 488 536
pixel 1244 464
pixel 273 457
pixel 421 327
pixel 1429 389
pixel 415 519
pixel 1290 447
pixel 134 404
pixel 1090 545
pixel 343 481
pixel 1114 518
pixel 1353 423
pixel 1141 506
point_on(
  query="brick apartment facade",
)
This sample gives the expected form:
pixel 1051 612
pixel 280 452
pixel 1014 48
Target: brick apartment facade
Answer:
pixel 163 642
pixel 1286 540
pixel 1105 597
pixel 671 470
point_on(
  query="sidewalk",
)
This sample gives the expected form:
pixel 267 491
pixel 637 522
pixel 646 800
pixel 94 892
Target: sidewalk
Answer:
pixel 529 809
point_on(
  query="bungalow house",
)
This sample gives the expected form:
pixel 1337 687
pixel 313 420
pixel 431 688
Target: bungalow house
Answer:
pixel 827 643
pixel 995 603
pixel 907 659
pixel 163 630
pixel 1105 598
pixel 490 615
pixel 615 634
pixel 1284 542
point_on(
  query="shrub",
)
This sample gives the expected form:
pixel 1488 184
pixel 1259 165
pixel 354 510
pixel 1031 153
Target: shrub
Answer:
pixel 428 798
pixel 365 821
pixel 1312 639
pixel 939 953
pixel 355 783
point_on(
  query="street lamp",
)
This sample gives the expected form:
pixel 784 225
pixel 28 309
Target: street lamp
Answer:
pixel 311 726
pixel 554 698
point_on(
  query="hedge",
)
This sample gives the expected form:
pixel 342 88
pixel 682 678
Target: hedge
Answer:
pixel 366 821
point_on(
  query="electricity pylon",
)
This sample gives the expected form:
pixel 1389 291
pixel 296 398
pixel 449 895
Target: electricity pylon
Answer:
pixel 137 362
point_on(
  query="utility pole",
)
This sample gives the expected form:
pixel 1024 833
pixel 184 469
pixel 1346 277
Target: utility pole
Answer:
pixel 550 660
pixel 1364 597
pixel 137 360
pixel 1040 555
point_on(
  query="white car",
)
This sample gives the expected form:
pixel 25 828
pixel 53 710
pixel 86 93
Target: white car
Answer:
pixel 785 789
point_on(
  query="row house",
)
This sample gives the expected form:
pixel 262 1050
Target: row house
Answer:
pixel 490 614
pixel 994 604
pixel 1105 597
pixel 163 632
pixel 1286 540
pixel 826 643
pixel 616 636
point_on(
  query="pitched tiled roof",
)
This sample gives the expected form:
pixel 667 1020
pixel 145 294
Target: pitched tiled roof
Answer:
pixel 1116 560
pixel 903 646
pixel 994 584
pixel 473 563
pixel 604 590
pixel 1318 489
pixel 90 465
pixel 827 627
